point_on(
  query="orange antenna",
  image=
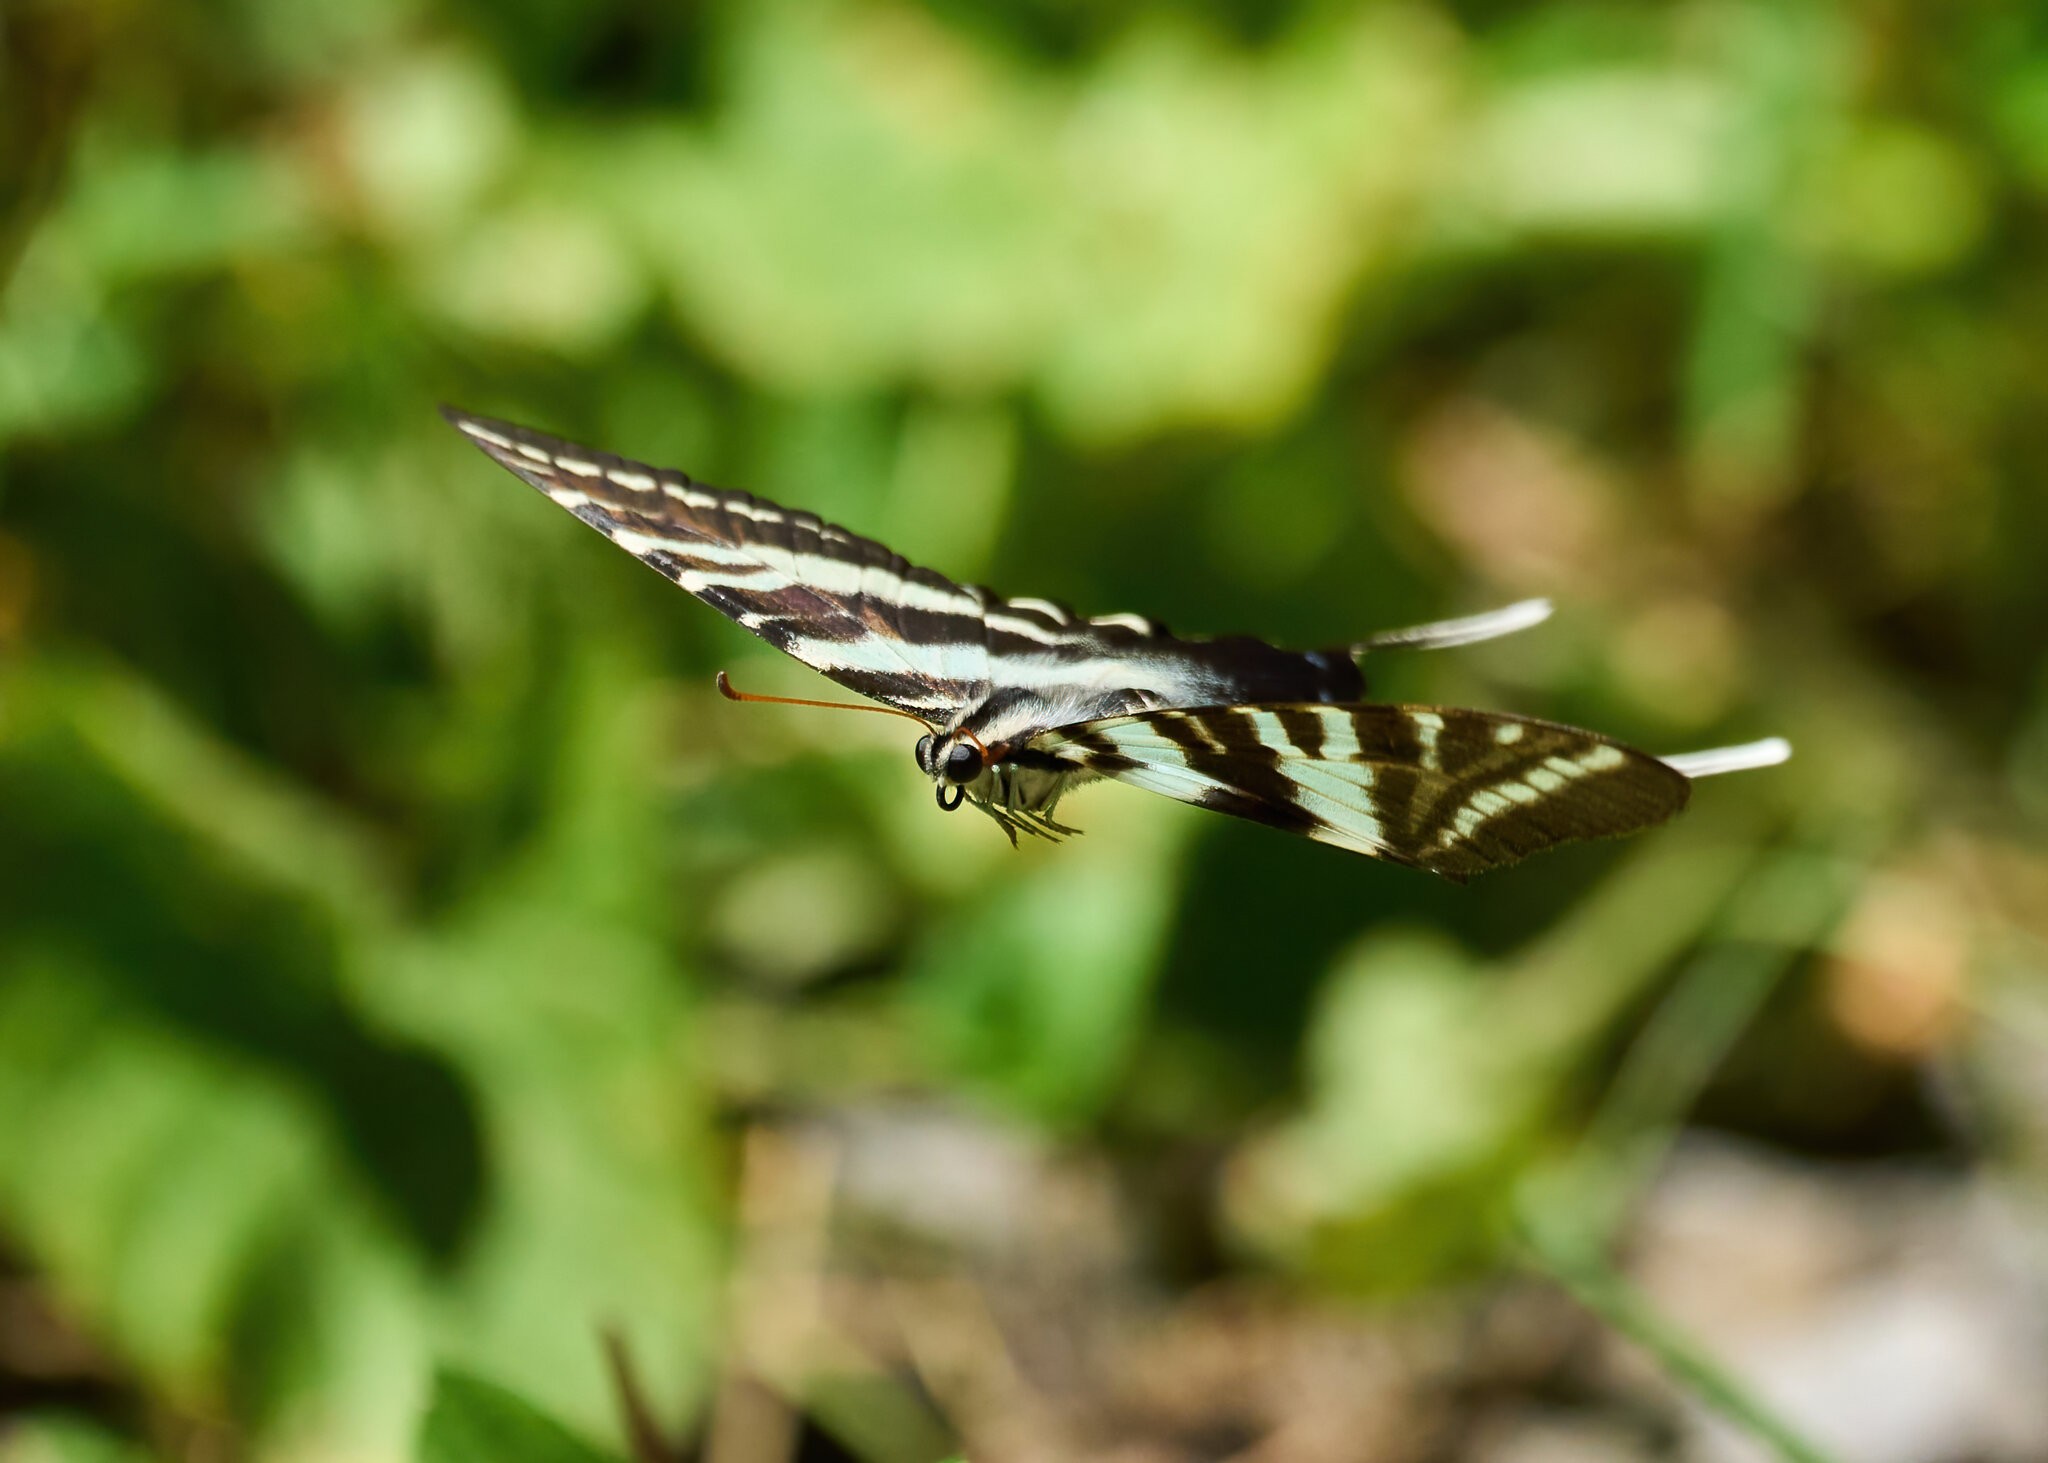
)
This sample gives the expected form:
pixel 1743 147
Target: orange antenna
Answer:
pixel 731 693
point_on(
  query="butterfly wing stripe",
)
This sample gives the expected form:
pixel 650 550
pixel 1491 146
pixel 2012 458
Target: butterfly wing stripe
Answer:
pixel 1307 732
pixel 1297 794
pixel 1186 785
pixel 1450 790
pixel 1050 610
pixel 1026 627
pixel 1131 624
pixel 1189 787
pixel 1345 805
pixel 1185 758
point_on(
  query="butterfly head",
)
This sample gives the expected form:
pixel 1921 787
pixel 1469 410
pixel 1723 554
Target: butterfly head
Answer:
pixel 964 768
pixel 953 762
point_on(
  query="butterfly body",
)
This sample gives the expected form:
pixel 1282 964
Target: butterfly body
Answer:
pixel 1023 700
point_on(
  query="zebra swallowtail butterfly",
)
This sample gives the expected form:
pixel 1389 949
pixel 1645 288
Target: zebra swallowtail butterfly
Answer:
pixel 1022 700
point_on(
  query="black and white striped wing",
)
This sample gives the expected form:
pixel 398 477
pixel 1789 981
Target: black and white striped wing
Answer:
pixel 1452 791
pixel 844 605
pixel 905 636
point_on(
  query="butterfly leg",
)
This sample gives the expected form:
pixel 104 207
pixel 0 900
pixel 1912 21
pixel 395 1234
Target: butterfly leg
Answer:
pixel 1042 824
pixel 1021 820
pixel 1005 820
pixel 1047 824
pixel 1044 813
pixel 1044 820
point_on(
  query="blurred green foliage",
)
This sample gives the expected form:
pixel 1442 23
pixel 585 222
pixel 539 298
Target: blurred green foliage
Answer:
pixel 473 1421
pixel 394 927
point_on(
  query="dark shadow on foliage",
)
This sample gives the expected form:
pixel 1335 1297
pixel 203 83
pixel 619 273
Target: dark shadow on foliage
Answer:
pixel 243 969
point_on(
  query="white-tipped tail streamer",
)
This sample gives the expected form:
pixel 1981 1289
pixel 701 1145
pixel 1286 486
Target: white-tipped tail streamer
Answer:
pixel 1746 758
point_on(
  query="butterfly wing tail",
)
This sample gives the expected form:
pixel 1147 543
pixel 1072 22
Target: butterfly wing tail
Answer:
pixel 1746 758
pixel 1467 630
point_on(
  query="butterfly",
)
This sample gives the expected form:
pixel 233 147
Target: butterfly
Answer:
pixel 1022 700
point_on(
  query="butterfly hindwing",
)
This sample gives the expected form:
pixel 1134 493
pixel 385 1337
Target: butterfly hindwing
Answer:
pixel 1453 791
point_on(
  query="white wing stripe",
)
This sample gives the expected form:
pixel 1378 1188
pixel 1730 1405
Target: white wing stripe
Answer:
pixel 844 576
pixel 1428 727
pixel 1028 629
pixel 1340 798
pixel 1055 612
pixel 867 652
pixel 919 596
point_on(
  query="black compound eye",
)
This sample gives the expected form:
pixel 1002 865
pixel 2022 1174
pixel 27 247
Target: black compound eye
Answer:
pixel 924 754
pixel 963 763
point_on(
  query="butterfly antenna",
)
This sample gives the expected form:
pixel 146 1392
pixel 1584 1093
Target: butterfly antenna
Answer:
pixel 732 693
pixel 1441 634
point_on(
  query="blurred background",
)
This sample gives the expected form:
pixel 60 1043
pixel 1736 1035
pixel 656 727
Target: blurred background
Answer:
pixel 409 966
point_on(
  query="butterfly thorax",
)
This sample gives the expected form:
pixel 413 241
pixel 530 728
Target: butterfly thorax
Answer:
pixel 1017 786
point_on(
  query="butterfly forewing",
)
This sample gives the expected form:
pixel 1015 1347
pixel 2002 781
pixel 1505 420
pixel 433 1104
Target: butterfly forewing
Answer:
pixel 903 635
pixel 1452 791
pixel 843 604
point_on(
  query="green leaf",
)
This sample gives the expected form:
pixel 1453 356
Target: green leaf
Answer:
pixel 475 1421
